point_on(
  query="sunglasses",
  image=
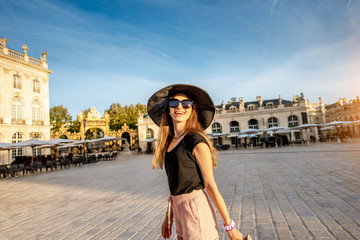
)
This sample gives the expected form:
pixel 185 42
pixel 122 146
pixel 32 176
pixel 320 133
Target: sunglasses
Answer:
pixel 186 104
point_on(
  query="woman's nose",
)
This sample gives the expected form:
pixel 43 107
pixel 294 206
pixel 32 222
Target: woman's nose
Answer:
pixel 180 105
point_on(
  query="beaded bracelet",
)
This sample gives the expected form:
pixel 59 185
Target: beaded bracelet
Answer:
pixel 229 227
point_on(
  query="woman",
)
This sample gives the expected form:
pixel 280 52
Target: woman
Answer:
pixel 183 112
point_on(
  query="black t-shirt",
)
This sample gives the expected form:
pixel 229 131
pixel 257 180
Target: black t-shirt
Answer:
pixel 182 170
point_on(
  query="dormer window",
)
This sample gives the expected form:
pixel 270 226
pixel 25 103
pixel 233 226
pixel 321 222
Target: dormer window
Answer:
pixel 251 107
pixel 269 105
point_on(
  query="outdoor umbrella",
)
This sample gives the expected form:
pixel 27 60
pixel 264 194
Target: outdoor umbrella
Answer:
pixel 148 140
pixel 6 146
pixel 246 135
pixel 250 131
pixel 306 127
pixel 29 143
pixel 275 129
pixel 327 128
pixel 105 139
pixel 338 124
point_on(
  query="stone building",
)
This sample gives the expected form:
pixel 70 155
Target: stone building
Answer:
pixel 344 110
pixel 24 98
pixel 236 115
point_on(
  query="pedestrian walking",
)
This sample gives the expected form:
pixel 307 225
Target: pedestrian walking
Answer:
pixel 183 112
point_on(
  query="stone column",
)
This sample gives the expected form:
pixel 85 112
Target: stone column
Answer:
pixel 292 138
pixel 317 135
pixel 308 135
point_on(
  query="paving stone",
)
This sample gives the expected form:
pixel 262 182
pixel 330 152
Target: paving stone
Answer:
pixel 323 234
pixel 295 192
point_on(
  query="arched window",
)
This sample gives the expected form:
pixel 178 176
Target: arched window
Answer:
pixel 253 124
pixel 36 86
pixel 16 109
pixel 36 151
pixel 216 127
pixel 234 126
pixel 16 138
pixel 272 122
pixel 36 111
pixel 149 133
pixel 16 81
pixel 293 121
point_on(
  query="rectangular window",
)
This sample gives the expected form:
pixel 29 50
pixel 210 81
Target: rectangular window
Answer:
pixel 36 113
pixel 37 152
pixel 304 117
pixel 16 82
pixel 36 86
pixel 16 112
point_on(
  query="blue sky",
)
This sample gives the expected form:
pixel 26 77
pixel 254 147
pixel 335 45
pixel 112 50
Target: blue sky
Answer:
pixel 102 52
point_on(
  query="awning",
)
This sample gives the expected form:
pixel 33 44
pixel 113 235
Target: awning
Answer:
pixel 149 140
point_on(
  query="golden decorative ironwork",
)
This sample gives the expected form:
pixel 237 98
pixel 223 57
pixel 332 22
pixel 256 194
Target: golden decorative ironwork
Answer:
pixel 94 120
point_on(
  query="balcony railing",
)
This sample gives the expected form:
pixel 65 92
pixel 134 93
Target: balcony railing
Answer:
pixel 16 54
pixel 34 60
pixel 17 121
pixel 38 123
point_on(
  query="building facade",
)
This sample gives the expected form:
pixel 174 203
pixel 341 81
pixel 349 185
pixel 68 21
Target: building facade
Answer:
pixel 24 98
pixel 344 110
pixel 237 115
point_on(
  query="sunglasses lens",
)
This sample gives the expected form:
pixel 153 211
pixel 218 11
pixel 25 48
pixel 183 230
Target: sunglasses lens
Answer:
pixel 185 104
pixel 173 103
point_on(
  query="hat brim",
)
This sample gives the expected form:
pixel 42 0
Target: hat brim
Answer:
pixel 205 107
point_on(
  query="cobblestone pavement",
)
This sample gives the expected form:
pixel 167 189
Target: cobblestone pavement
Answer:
pixel 296 192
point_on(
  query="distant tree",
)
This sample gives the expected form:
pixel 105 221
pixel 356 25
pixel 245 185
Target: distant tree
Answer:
pixel 74 126
pixel 86 111
pixel 128 114
pixel 59 115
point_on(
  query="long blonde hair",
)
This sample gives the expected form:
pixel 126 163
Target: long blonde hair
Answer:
pixel 166 133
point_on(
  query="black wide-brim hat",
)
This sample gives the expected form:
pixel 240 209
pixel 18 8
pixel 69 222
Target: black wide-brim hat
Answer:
pixel 204 106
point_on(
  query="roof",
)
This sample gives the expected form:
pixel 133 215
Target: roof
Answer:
pixel 275 101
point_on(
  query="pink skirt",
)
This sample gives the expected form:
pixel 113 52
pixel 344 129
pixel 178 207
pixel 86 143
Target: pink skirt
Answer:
pixel 194 215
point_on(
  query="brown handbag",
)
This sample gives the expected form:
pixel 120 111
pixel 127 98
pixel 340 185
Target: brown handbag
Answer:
pixel 247 237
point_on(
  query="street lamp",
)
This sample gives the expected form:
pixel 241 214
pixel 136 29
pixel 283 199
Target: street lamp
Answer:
pixel 84 124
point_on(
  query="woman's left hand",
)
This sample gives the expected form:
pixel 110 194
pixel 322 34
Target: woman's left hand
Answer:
pixel 234 234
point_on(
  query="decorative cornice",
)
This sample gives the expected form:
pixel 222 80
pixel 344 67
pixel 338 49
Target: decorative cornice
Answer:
pixel 28 64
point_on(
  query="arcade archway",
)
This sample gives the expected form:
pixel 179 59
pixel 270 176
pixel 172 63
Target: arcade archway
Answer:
pixel 94 133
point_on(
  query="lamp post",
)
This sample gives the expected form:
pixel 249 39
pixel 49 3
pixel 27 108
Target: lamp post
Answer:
pixel 84 124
